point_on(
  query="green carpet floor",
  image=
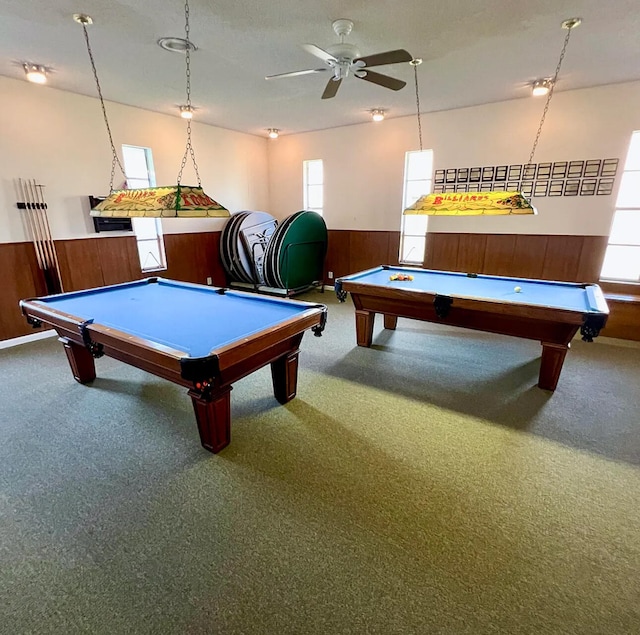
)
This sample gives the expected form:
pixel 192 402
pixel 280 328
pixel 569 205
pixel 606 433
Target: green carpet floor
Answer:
pixel 423 486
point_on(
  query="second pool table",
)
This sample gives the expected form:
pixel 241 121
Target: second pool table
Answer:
pixel 551 312
pixel 204 338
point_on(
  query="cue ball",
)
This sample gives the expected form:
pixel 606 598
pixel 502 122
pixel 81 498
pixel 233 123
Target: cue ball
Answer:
pixel 517 289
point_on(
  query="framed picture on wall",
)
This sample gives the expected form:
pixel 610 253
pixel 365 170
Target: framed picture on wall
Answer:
pixel 515 172
pixel 605 187
pixel 571 188
pixel 609 167
pixel 556 188
pixel 588 187
pixel 559 170
pixel 592 168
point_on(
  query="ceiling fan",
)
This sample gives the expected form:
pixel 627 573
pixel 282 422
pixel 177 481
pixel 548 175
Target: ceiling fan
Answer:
pixel 344 59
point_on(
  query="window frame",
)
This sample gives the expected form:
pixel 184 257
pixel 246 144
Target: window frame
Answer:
pixel 419 236
pixel 632 243
pixel 307 166
pixel 144 226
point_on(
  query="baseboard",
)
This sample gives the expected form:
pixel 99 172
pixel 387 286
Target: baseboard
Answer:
pixel 616 341
pixel 16 341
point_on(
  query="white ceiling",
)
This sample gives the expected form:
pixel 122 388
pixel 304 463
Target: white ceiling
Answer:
pixel 474 52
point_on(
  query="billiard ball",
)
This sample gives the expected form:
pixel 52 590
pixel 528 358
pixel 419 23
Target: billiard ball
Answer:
pixel 517 289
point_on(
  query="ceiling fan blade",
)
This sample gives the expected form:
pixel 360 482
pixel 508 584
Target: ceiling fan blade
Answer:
pixel 296 73
pixel 383 80
pixel 318 52
pixel 331 88
pixel 390 57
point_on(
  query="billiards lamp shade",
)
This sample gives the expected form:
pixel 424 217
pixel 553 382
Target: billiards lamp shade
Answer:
pixel 174 201
pixel 472 204
pixel 493 203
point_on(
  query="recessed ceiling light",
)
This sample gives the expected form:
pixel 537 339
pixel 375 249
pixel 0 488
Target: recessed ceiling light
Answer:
pixel 176 44
pixel 274 133
pixel 377 114
pixel 35 73
pixel 541 87
pixel 186 112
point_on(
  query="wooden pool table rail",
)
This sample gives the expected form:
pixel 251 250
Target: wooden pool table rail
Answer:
pixel 209 378
pixel 554 328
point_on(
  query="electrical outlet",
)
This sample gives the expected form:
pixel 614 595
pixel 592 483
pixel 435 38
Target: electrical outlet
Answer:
pixel 330 274
pixel 209 281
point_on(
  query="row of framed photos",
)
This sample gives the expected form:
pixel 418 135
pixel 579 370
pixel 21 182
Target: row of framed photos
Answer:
pixel 568 187
pixel 560 170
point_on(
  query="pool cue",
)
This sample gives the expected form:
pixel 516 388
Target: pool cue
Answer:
pixel 31 203
pixel 47 232
pixel 22 193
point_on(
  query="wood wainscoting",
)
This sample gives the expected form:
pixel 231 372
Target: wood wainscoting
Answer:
pixel 566 258
pixel 194 258
pixel 349 251
pixel 21 278
pixel 94 262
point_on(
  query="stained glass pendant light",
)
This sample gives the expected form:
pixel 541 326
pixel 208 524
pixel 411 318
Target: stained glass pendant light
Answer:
pixel 486 203
pixel 472 204
pixel 175 201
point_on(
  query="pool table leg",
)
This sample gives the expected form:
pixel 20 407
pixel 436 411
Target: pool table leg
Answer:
pixel 284 374
pixel 390 321
pixel 213 414
pixel 552 359
pixel 364 327
pixel 81 361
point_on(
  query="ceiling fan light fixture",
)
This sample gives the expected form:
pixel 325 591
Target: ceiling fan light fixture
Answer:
pixel 378 114
pixel 274 133
pixel 541 87
pixel 343 60
pixel 35 73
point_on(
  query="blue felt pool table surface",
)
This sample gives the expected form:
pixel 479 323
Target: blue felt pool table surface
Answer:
pixel 190 318
pixel 558 295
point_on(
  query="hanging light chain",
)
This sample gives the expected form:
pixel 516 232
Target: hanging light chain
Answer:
pixel 569 25
pixel 188 148
pixel 415 63
pixel 115 160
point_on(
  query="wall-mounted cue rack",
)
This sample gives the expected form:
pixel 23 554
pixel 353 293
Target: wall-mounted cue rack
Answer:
pixel 37 224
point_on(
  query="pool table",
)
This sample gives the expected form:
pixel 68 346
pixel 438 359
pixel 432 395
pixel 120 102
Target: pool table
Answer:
pixel 551 312
pixel 205 338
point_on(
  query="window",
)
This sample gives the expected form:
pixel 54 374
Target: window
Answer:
pixel 138 164
pixel 418 168
pixel 622 258
pixel 313 182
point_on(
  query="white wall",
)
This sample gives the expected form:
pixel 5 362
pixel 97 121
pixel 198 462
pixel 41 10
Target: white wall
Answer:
pixel 364 163
pixel 60 140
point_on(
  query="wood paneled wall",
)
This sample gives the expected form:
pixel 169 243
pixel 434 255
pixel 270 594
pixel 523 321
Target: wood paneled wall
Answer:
pixel 567 258
pixel 21 278
pixel 570 258
pixel 194 258
pixel 349 251
pixel 93 262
